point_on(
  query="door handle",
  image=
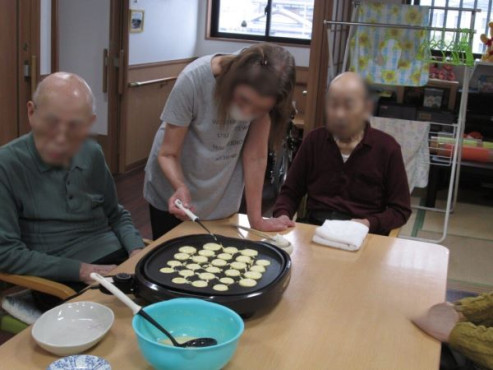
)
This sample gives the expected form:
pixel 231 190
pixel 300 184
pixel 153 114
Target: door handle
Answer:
pixel 105 70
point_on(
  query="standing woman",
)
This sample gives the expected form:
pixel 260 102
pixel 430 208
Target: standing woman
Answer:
pixel 213 141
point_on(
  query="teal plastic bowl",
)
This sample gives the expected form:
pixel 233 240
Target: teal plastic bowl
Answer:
pixel 189 317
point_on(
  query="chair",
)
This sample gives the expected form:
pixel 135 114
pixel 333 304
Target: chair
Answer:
pixel 39 284
pixel 302 213
pixel 59 290
pixel 394 233
pixel 43 285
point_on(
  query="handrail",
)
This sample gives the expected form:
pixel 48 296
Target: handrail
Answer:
pixel 150 82
pixel 391 25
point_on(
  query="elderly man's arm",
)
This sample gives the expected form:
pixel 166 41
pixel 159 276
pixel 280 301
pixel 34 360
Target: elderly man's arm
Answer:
pixel 294 189
pixel 398 197
pixel 118 217
pixel 17 258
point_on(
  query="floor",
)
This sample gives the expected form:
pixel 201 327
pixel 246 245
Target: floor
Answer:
pixel 469 237
pixel 129 188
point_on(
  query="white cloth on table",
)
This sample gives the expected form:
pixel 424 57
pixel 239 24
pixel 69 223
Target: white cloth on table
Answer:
pixel 347 235
pixel 412 136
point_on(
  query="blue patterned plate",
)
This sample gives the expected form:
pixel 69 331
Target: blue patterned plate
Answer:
pixel 80 362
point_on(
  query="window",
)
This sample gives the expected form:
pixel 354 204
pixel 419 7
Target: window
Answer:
pixel 287 21
pixel 460 19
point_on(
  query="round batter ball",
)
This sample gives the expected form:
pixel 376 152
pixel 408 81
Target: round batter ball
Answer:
pixel 207 253
pixel 263 262
pixel 179 280
pixel 218 263
pixel 167 270
pixel 213 269
pixel 258 268
pixel 224 256
pixel 253 275
pixel 199 283
pixel 207 276
pixel 249 252
pixel 212 246
pixel 244 259
pixel 232 273
pixel 186 273
pixel 220 287
pixel 238 265
pixel 173 263
pixel 226 280
pixel 199 259
pixel 187 249
pixel 248 283
pixel 182 256
pixel 231 250
pixel 193 266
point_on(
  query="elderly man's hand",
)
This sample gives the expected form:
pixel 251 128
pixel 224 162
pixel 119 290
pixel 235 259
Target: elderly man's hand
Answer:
pixel 439 321
pixel 362 221
pixel 273 224
pixel 86 269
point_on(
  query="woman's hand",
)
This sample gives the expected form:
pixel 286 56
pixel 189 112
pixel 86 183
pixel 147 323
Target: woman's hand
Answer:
pixel 280 223
pixel 439 321
pixel 182 193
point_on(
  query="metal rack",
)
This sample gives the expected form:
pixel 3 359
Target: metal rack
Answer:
pixel 456 129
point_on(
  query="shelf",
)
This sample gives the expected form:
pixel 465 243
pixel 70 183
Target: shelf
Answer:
pixel 481 68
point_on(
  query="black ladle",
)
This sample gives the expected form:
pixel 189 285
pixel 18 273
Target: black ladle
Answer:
pixel 138 310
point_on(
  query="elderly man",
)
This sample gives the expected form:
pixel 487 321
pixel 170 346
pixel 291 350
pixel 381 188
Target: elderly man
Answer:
pixel 348 169
pixel 59 214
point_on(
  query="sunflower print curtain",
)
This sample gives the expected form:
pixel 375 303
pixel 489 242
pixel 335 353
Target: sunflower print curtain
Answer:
pixel 391 56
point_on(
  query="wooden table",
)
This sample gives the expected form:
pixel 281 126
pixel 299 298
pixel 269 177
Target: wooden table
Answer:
pixel 342 310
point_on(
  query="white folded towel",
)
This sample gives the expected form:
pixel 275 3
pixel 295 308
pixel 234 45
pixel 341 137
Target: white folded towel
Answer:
pixel 347 235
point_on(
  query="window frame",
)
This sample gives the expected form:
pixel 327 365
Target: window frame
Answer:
pixel 214 33
pixel 436 52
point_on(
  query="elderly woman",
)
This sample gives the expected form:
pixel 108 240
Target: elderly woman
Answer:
pixel 214 138
pixel 467 326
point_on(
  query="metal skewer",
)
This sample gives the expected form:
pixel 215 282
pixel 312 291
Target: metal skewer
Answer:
pixel 195 218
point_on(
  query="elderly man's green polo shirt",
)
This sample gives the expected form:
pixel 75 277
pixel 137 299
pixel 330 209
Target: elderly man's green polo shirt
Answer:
pixel 53 218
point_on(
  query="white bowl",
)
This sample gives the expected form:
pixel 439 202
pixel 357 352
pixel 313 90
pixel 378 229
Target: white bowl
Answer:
pixel 72 327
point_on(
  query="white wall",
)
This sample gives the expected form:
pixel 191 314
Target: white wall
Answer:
pixel 170 30
pixel 205 47
pixel 45 38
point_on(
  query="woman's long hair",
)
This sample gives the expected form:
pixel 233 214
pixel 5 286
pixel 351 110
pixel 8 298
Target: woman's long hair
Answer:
pixel 270 70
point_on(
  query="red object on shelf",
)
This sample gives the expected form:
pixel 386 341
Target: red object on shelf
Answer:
pixel 474 154
pixel 474 135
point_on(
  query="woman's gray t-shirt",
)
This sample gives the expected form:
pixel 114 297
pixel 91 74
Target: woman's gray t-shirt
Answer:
pixel 211 153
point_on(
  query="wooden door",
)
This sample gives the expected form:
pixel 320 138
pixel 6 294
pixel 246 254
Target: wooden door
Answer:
pixel 28 63
pixel 19 70
pixel 8 71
